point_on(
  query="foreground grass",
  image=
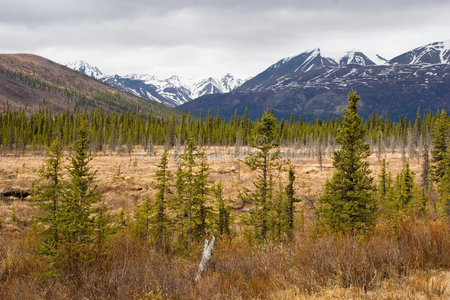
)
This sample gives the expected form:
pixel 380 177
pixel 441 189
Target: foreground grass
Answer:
pixel 408 261
pixel 411 262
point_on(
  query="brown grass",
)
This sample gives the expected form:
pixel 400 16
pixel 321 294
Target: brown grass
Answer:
pixel 413 264
pixel 410 262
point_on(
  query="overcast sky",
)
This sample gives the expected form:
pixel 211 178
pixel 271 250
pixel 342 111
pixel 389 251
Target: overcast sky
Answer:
pixel 209 37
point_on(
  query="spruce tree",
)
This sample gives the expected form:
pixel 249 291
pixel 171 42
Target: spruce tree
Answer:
pixel 142 218
pixel 425 168
pixel 102 228
pixel 444 189
pixel 291 200
pixel 77 222
pixel 160 218
pixel 440 146
pixel 441 162
pixel 347 204
pixel 185 200
pixel 264 160
pixel 383 184
pixel 47 197
pixel 223 212
pixel 406 189
pixel 201 191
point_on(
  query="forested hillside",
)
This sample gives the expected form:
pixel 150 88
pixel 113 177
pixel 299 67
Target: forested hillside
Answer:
pixel 33 82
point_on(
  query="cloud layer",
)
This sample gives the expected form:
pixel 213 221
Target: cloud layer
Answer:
pixel 198 38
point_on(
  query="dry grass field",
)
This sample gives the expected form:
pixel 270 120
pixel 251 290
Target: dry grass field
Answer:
pixel 125 180
pixel 417 267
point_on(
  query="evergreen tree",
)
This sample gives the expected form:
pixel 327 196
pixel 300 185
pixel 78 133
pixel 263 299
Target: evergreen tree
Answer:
pixel 142 218
pixel 201 191
pixel 77 221
pixel 401 196
pixel 347 204
pixel 179 206
pixel 383 184
pixel 422 204
pixel 102 226
pixel 440 145
pixel 264 139
pixel 47 197
pixel 406 188
pixel 185 201
pixel 223 212
pixel 425 168
pixel 444 189
pixel 160 219
pixel 291 200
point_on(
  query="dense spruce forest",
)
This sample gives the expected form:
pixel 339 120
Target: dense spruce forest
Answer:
pixel 122 132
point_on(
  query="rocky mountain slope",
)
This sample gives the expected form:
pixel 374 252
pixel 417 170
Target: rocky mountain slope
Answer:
pixel 172 91
pixel 312 85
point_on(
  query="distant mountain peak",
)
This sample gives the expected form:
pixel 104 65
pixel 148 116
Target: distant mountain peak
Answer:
pixel 433 53
pixel 85 68
pixel 356 57
pixel 380 60
pixel 172 91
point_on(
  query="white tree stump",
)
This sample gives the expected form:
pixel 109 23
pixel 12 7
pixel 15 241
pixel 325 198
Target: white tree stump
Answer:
pixel 206 257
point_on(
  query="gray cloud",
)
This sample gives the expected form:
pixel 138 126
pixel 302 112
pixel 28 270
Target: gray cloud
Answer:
pixel 213 37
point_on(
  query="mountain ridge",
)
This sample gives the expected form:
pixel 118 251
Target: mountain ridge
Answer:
pixel 311 85
pixel 172 91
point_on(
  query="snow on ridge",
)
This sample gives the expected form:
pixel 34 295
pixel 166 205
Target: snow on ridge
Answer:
pixel 378 59
pixel 85 68
pixel 349 56
pixel 313 54
pixel 446 45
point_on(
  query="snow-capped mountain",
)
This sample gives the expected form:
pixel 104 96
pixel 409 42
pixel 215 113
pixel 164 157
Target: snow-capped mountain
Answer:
pixel 172 91
pixel 229 83
pixel 213 85
pixel 356 57
pixel 380 60
pixel 308 83
pixel 315 86
pixel 86 69
pixel 434 53
pixel 304 62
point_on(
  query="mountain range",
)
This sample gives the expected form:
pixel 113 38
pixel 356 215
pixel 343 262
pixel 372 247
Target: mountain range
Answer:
pixel 172 91
pixel 312 85
pixel 34 82
pixel 308 84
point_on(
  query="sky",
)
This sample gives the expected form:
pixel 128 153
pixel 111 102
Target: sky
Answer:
pixel 211 38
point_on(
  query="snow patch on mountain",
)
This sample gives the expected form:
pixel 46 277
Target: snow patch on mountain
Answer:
pixel 433 53
pixel 172 91
pixel 85 68
pixel 379 60
pixel 356 57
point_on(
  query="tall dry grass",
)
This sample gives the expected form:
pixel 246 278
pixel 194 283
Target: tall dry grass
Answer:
pixel 407 259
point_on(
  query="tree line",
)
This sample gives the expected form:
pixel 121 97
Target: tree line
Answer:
pixel 123 132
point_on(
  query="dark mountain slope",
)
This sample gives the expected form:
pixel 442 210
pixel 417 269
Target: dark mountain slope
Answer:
pixel 420 78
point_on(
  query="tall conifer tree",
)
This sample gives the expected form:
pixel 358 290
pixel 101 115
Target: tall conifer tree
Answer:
pixel 160 219
pixel 347 204
pixel 77 221
pixel 440 145
pixel 47 197
pixel 267 158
